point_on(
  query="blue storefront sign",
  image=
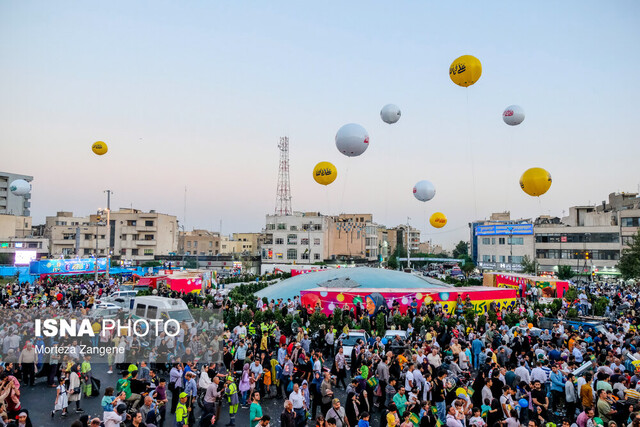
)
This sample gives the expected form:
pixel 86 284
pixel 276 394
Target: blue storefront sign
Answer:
pixel 502 230
pixel 67 266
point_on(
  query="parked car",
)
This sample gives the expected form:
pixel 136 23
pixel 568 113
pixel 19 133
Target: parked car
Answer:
pixel 396 345
pixel 350 341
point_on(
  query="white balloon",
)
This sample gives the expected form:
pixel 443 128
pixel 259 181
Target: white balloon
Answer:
pixel 513 115
pixel 20 187
pixel 352 140
pixel 424 191
pixel 390 113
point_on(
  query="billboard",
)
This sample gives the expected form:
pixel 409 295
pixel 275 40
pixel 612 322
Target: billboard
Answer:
pixel 504 230
pixel 25 257
pixel 67 266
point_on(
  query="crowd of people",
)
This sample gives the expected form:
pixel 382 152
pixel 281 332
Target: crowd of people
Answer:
pixel 456 370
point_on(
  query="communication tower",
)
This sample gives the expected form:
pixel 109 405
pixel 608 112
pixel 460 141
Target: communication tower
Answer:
pixel 283 193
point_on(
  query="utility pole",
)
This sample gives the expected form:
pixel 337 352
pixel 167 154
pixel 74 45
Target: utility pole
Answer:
pixel 408 245
pixel 98 218
pixel 109 192
pixel 511 249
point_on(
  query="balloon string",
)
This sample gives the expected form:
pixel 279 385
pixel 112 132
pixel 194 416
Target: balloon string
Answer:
pixel 509 181
pixel 326 192
pixel 473 172
pixel 344 188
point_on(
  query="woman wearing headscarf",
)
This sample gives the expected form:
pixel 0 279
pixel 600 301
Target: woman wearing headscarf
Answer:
pixel 75 391
pixel 306 394
pixel 316 385
pixel 244 385
pixel 351 408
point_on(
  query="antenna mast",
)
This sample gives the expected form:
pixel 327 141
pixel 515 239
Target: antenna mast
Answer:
pixel 283 193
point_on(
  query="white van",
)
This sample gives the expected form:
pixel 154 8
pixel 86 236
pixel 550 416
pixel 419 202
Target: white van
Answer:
pixel 152 307
pixel 121 298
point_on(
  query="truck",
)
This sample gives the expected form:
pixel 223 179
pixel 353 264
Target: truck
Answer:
pixel 587 324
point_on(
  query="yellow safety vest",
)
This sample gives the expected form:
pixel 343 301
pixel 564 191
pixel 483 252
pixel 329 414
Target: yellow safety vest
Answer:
pixel 232 389
pixel 181 413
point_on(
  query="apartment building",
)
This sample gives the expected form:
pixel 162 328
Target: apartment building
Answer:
pixel 300 238
pixel 132 235
pixel 10 204
pixel 199 242
pixel 500 243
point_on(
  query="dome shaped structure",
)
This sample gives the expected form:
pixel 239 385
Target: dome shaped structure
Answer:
pixel 358 277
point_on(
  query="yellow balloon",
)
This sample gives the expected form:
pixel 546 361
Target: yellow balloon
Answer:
pixel 535 181
pixel 325 173
pixel 438 220
pixel 99 148
pixel 465 71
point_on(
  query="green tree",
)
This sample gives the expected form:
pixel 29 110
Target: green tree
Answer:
pixel 461 250
pixel 468 268
pixel 529 266
pixel 565 272
pixel 381 325
pixel 629 264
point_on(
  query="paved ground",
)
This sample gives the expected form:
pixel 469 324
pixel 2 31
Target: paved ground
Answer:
pixel 39 401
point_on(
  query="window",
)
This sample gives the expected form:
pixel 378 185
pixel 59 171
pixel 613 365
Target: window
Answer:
pixel 292 239
pixel 316 242
pixel 88 236
pixel 501 241
pixel 86 252
pixel 131 222
pixel 152 312
pixel 282 226
pixel 271 226
pixel 195 244
pixel 210 244
pixel 304 255
pixel 578 238
pixel 316 256
pixel 493 258
pixel 317 227
pixel 304 241
pixel 486 258
pixel 502 258
pixel 134 252
pixel 123 252
pixel 148 251
pixel 627 240
pixel 189 243
pixel 135 236
pixel 493 241
pixel 279 241
pixel 293 228
pixel 140 309
pixel 33 245
pixel 630 222
pixel 486 240
pixel 150 237
pixel 292 254
pixel 516 259
pixel 148 223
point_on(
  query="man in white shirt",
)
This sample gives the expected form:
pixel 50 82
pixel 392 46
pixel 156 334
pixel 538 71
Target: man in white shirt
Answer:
pixel 434 358
pixel 523 373
pixel 538 374
pixel 409 381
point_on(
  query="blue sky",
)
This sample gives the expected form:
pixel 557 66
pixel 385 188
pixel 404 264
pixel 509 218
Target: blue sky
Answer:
pixel 197 94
